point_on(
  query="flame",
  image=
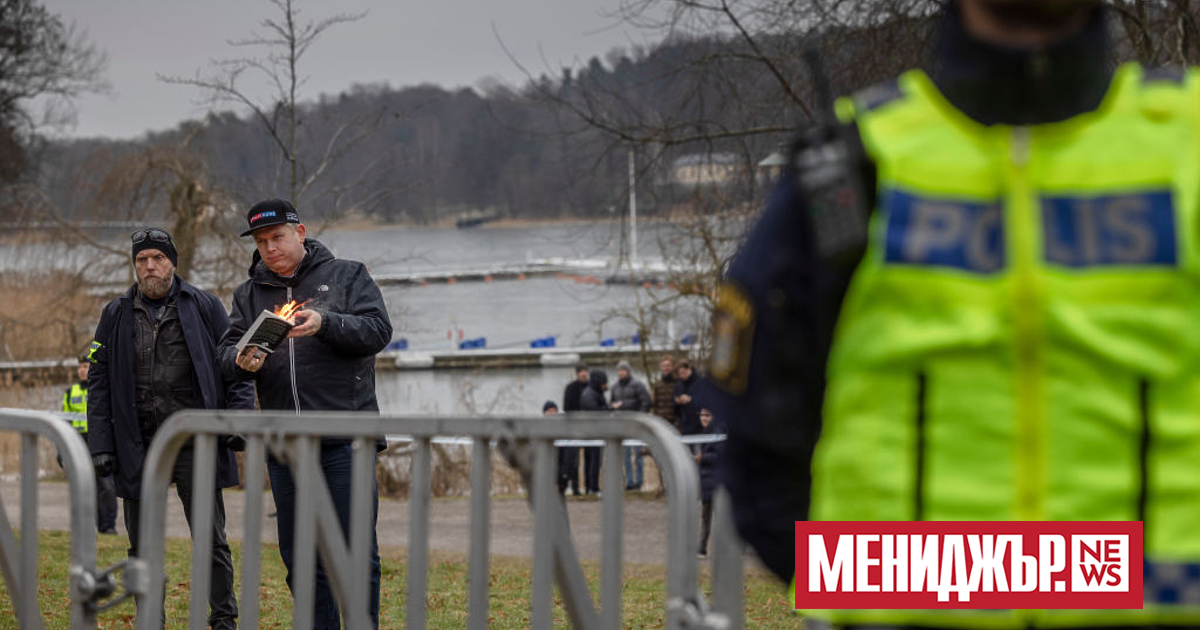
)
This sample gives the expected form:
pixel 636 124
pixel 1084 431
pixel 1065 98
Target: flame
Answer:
pixel 288 310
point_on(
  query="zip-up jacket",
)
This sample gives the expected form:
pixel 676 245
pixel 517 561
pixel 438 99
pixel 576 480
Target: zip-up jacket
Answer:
pixel 333 370
pixel 632 393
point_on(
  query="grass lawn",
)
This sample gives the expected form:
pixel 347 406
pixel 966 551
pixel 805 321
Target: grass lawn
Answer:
pixel 767 604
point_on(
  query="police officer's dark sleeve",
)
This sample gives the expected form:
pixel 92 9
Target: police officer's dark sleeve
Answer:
pixel 772 330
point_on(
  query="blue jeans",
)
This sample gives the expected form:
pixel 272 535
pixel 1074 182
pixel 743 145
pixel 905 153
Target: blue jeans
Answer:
pixel 336 465
pixel 634 467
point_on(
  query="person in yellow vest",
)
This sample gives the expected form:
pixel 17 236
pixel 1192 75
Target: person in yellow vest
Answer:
pixel 1000 323
pixel 75 403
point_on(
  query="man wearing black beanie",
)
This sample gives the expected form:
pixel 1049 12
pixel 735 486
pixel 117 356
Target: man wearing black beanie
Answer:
pixel 155 354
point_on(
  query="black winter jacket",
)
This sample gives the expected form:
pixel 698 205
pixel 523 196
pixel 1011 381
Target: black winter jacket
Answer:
pixel 592 398
pixel 689 414
pixel 112 419
pixel 572 394
pixel 710 456
pixel 333 370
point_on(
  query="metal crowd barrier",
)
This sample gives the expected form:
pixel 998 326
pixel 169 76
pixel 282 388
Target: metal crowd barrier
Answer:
pixel 19 560
pixel 526 442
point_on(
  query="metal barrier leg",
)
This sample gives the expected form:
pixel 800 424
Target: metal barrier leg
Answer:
pixel 306 467
pixel 545 499
pixel 256 456
pixel 418 536
pixel 610 569
pixel 728 550
pixel 361 532
pixel 478 567
pixel 28 611
pixel 203 489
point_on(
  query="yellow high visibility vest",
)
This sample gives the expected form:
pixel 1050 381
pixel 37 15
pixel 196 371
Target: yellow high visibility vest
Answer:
pixel 75 401
pixel 1021 340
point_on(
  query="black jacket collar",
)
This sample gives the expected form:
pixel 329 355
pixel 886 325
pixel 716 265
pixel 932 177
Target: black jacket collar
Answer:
pixel 994 84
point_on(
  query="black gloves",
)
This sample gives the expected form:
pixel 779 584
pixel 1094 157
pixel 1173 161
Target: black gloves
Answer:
pixel 104 463
pixel 235 442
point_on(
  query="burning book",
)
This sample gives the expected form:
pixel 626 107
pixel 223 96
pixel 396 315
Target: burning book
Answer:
pixel 270 329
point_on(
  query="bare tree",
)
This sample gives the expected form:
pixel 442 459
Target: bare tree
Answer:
pixel 44 64
pixel 307 151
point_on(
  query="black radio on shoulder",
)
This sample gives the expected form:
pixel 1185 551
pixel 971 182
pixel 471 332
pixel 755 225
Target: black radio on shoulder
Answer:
pixel 828 159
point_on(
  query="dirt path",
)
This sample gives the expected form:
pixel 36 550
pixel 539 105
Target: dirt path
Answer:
pixel 645 532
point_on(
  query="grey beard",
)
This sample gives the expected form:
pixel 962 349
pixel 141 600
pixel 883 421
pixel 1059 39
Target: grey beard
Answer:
pixel 156 288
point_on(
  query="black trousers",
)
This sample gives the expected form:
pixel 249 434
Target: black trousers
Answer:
pixel 222 603
pixel 593 457
pixel 705 525
pixel 568 469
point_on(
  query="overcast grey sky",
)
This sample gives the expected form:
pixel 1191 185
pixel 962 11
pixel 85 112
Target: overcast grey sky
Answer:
pixel 400 42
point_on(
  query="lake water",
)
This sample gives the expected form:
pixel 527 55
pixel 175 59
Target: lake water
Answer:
pixel 508 313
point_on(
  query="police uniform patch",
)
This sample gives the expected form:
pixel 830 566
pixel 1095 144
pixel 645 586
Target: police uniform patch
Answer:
pixel 92 350
pixel 733 334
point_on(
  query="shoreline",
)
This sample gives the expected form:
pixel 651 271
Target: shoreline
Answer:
pixel 363 224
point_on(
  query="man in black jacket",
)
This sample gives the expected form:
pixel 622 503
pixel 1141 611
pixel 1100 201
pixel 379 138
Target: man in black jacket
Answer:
pixel 568 456
pixel 687 408
pixel 154 354
pixel 592 399
pixel 327 363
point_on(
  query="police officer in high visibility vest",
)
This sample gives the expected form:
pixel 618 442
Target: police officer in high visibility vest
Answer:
pixel 1000 323
pixel 75 403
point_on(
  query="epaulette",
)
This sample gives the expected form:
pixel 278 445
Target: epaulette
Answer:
pixel 878 95
pixel 1164 74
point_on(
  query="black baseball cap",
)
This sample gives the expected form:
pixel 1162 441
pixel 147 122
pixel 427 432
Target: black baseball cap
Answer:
pixel 270 212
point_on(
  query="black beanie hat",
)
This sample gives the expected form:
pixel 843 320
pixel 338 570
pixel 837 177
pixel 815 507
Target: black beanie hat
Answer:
pixel 155 238
pixel 549 405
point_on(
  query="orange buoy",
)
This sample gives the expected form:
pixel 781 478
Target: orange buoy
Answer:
pixel 487 278
pixel 451 280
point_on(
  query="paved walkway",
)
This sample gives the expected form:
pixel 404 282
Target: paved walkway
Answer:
pixel 645 530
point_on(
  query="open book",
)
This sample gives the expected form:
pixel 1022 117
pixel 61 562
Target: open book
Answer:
pixel 267 332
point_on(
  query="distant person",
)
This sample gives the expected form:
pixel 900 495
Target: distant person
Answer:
pixel 593 400
pixel 664 402
pixel 326 364
pixel 155 354
pixel 75 401
pixel 630 394
pixel 707 457
pixel 687 410
pixel 568 456
pixel 664 391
